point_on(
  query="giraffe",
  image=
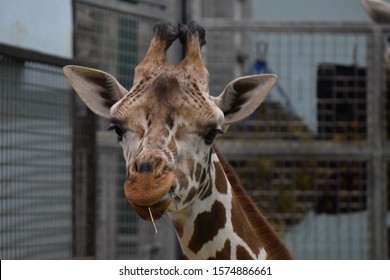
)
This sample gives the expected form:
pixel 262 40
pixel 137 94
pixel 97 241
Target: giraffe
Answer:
pixel 167 125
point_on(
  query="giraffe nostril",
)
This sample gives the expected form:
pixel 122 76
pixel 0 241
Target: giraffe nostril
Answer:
pixel 155 165
pixel 145 167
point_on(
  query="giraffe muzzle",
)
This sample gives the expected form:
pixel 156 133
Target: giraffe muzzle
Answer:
pixel 155 211
pixel 145 189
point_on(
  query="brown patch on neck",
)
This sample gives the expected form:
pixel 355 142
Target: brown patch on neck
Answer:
pixel 265 233
pixel 220 179
pixel 242 254
pixel 225 253
pixel 243 228
pixel 207 225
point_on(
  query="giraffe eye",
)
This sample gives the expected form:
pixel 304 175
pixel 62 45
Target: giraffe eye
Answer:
pixel 119 131
pixel 210 136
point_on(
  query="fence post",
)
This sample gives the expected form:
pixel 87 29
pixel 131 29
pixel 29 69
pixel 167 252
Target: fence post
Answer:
pixel 83 180
pixel 375 98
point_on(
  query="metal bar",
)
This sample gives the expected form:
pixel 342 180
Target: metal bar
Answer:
pixel 288 26
pixel 30 55
pixel 144 11
pixel 377 210
pixel 279 148
pixel 84 181
pixel 35 159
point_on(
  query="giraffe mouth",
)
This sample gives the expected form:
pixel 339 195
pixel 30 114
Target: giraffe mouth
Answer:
pixel 150 195
pixel 156 210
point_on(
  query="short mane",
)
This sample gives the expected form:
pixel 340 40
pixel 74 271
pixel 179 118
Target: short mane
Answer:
pixel 268 237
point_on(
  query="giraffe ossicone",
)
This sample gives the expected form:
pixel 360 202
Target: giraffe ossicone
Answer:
pixel 167 124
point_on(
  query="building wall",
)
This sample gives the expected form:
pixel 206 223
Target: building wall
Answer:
pixel 40 25
pixel 317 10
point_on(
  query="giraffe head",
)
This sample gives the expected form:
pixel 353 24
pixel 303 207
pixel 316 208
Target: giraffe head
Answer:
pixel 168 120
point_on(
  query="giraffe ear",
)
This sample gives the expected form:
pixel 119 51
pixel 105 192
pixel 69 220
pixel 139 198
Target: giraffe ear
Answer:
pixel 99 90
pixel 242 96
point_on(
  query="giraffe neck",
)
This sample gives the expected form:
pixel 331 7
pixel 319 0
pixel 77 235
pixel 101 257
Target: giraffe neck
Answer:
pixel 218 227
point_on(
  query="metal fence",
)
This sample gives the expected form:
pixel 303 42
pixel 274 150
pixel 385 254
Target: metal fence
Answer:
pixel 315 155
pixel 35 160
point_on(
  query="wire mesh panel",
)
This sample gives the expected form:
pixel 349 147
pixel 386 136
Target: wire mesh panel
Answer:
pixel 35 161
pixel 313 78
pixel 121 234
pixel 118 235
pixel 313 203
pixel 311 155
pixel 341 102
pixel 111 39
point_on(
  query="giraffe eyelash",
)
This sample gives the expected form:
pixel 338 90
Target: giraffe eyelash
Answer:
pixel 211 135
pixel 118 130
